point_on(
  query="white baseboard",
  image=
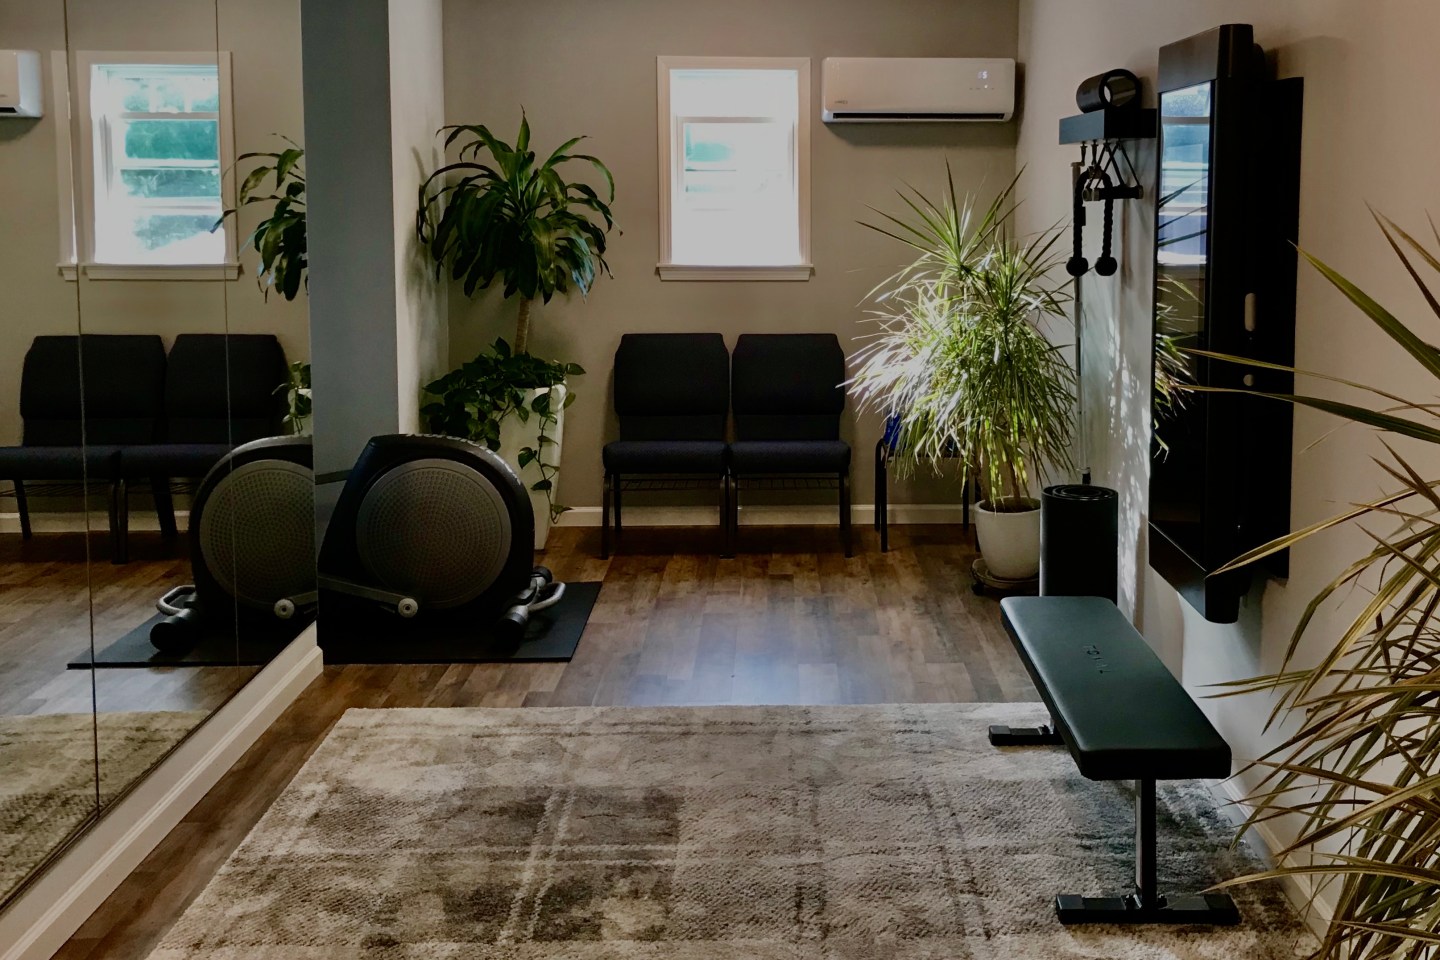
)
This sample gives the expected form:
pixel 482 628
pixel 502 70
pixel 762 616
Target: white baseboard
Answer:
pixel 74 522
pixel 1316 910
pixel 766 515
pixel 38 922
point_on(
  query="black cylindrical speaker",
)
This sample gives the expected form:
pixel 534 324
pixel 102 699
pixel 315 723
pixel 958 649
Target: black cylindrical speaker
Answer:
pixel 1079 542
pixel 1104 91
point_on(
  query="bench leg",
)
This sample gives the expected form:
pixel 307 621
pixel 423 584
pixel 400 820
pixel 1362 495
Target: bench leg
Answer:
pixel 1041 736
pixel 164 506
pixel 1145 905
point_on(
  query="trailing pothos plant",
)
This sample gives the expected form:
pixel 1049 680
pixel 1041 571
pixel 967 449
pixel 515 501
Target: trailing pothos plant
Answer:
pixel 279 238
pixel 298 403
pixel 1360 774
pixel 471 402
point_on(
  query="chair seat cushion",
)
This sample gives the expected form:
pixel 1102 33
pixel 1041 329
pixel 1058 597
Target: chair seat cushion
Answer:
pixel 665 456
pixel 58 463
pixel 751 457
pixel 171 459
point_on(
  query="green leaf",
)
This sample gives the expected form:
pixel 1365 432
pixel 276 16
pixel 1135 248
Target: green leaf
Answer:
pixel 542 485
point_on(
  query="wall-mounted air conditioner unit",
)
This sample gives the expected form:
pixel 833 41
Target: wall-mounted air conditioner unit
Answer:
pixel 926 90
pixel 19 83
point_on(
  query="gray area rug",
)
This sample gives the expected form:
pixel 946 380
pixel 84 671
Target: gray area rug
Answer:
pixel 833 833
pixel 47 774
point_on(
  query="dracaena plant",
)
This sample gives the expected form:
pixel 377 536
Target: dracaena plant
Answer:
pixel 515 219
pixel 959 360
pixel 1361 773
pixel 279 239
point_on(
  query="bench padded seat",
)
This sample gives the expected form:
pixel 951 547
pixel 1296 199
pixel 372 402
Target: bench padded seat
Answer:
pixel 1121 712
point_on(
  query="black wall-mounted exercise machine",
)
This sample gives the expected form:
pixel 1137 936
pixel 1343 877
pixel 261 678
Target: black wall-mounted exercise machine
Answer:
pixel 1228 211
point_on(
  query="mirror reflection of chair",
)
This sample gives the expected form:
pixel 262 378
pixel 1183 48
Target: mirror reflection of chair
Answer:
pixel 672 395
pixel 788 401
pixel 220 392
pixel 72 441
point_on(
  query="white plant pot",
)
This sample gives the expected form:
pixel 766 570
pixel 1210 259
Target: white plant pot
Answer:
pixel 1010 539
pixel 516 436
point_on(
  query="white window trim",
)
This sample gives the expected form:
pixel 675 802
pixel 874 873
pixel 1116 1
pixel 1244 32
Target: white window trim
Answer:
pixel 670 270
pixel 77 241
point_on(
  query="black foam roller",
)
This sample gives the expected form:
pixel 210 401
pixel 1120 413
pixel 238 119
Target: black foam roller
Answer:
pixel 1079 542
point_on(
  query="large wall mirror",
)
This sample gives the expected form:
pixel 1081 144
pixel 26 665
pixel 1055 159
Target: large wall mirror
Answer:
pixel 165 475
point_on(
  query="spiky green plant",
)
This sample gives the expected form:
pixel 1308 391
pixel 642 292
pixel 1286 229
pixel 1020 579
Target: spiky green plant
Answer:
pixel 959 357
pixel 516 220
pixel 1361 772
pixel 280 238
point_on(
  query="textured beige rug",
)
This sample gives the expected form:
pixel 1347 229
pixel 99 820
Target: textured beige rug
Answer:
pixel 744 833
pixel 47 774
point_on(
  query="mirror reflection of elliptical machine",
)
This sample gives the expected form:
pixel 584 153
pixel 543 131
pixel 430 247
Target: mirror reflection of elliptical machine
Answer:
pixel 432 527
pixel 252 546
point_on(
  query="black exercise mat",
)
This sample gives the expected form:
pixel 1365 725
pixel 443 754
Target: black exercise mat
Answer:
pixel 552 635
pixel 218 646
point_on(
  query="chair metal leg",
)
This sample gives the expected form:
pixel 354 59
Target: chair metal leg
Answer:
pixel 734 519
pixel 164 506
pixel 845 513
pixel 726 493
pixel 883 495
pixel 605 516
pixel 119 522
pixel 615 490
pixel 22 505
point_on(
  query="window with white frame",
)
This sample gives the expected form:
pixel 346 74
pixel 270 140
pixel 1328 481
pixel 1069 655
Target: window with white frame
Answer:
pixel 734 168
pixel 155 148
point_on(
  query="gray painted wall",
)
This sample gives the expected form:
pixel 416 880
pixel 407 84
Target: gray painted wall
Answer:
pixel 584 67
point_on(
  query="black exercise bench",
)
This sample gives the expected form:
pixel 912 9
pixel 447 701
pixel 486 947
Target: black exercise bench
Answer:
pixel 1123 716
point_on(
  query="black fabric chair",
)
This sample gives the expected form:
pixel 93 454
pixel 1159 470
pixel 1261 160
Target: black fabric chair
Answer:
pixel 204 420
pixel 69 439
pixel 672 395
pixel 787 396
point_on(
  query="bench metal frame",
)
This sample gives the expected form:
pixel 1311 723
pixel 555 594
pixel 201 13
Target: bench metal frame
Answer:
pixel 1144 905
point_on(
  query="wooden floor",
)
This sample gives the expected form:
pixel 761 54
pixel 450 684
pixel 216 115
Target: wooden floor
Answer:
pixel 788 621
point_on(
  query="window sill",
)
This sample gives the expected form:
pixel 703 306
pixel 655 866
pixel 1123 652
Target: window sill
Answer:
pixel 150 271
pixel 677 271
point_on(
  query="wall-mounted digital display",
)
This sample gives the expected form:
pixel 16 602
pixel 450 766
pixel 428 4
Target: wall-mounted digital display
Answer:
pixel 1227 191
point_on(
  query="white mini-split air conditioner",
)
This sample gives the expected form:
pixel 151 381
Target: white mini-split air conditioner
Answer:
pixel 925 90
pixel 20 93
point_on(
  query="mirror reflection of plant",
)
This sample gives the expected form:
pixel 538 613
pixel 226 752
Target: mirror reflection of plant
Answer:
pixel 298 404
pixel 959 359
pixel 472 401
pixel 1172 365
pixel 279 238
pixel 1361 774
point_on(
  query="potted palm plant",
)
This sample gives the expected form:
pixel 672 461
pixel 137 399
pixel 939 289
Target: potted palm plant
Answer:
pixel 961 368
pixel 1360 774
pixel 518 221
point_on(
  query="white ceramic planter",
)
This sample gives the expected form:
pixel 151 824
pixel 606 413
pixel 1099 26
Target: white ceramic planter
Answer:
pixel 515 436
pixel 1010 539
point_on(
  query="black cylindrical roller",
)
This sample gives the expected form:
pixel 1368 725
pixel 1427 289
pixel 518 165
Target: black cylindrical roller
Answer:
pixel 1113 88
pixel 1079 542
pixel 176 633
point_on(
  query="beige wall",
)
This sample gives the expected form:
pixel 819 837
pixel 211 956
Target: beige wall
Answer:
pixel 263 37
pixel 1371 136
pixel 585 67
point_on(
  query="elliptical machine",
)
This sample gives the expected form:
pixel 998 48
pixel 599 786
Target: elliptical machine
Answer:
pixel 252 545
pixel 435 527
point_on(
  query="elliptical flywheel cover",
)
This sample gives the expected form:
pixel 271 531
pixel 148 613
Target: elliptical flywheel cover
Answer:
pixel 434 529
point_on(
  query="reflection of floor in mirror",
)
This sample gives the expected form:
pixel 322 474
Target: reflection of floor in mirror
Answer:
pixel 45 621
pixel 49 785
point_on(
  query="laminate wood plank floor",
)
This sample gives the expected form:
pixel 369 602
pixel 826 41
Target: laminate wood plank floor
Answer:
pixel 788 621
